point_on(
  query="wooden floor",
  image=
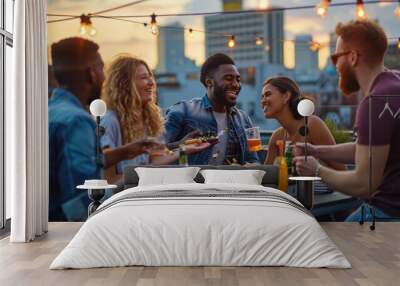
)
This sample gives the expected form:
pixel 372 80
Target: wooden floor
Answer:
pixel 375 257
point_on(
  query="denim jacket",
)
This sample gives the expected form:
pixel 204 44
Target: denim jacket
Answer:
pixel 186 116
pixel 72 156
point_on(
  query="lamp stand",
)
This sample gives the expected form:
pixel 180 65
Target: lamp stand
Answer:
pixel 99 158
pixel 305 137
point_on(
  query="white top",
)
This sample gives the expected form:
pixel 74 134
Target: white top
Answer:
pixel 113 139
pixel 219 149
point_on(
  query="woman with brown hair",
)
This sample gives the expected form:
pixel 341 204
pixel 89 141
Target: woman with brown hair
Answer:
pixel 280 97
pixel 134 117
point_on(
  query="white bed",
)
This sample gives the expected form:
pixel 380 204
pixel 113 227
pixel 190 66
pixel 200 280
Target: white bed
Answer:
pixel 226 225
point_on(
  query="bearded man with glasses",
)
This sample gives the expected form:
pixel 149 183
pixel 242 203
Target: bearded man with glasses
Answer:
pixel 360 50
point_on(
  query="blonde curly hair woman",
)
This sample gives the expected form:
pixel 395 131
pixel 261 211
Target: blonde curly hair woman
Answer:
pixel 129 91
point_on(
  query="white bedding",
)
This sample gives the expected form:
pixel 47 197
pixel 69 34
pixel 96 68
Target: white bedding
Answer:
pixel 188 231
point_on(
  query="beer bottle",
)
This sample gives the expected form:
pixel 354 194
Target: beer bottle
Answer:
pixel 183 159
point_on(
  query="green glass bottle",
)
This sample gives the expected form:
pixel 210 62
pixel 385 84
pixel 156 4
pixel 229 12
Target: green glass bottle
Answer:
pixel 183 159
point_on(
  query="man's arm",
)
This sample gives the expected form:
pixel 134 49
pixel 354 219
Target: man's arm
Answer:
pixel 173 123
pixel 340 153
pixel 355 182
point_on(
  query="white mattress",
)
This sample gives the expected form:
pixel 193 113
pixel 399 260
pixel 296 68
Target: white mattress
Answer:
pixel 200 231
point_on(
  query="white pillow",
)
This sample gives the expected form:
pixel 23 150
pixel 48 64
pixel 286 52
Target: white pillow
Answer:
pixel 166 176
pixel 248 177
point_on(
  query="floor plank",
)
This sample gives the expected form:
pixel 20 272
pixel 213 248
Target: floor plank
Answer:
pixel 375 257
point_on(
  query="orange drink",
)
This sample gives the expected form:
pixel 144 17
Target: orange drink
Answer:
pixel 254 144
pixel 253 139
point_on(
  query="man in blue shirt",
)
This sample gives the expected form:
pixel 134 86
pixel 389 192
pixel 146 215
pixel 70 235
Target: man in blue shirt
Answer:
pixel 215 113
pixel 78 68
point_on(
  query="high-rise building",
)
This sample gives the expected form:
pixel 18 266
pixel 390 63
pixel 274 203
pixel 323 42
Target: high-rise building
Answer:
pixel 171 50
pixel 306 60
pixel 246 28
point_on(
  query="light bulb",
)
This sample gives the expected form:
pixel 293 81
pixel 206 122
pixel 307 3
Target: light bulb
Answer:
pixel 98 107
pixel 86 27
pixel 153 25
pixel 259 41
pixel 397 11
pixel 398 43
pixel 232 42
pixel 306 107
pixel 267 48
pixel 360 11
pixel 322 8
pixel 92 31
pixel 83 29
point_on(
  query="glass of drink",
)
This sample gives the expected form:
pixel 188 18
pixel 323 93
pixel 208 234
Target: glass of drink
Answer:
pixel 253 139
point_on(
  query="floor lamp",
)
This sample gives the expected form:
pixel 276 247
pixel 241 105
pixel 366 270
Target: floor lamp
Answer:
pixel 96 188
pixel 305 185
pixel 305 108
pixel 98 108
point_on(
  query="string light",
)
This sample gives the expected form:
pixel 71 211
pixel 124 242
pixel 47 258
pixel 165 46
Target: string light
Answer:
pixel 153 25
pixel 322 8
pixel 270 10
pixel 267 48
pixel 86 27
pixel 360 11
pixel 397 10
pixel 232 42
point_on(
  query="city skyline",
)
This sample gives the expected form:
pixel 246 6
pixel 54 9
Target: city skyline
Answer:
pixel 116 37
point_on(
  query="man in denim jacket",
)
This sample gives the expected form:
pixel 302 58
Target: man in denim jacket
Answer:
pixel 215 113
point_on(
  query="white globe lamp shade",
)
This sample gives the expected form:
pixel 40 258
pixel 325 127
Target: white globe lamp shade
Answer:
pixel 98 107
pixel 306 107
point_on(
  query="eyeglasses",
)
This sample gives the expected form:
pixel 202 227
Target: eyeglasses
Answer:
pixel 335 57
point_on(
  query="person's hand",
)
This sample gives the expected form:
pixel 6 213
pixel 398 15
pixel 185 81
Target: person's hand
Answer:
pixel 142 146
pixel 196 148
pixel 298 150
pixel 304 168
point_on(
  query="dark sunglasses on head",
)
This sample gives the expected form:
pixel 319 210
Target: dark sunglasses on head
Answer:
pixel 335 57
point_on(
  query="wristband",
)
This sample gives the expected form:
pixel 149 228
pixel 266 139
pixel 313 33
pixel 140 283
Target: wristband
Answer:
pixel 318 170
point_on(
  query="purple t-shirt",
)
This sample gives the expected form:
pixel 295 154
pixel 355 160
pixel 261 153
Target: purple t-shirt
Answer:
pixel 385 131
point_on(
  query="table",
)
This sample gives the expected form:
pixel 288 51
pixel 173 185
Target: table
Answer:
pixel 331 203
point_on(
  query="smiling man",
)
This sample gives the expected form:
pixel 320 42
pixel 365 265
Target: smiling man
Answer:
pixel 215 113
